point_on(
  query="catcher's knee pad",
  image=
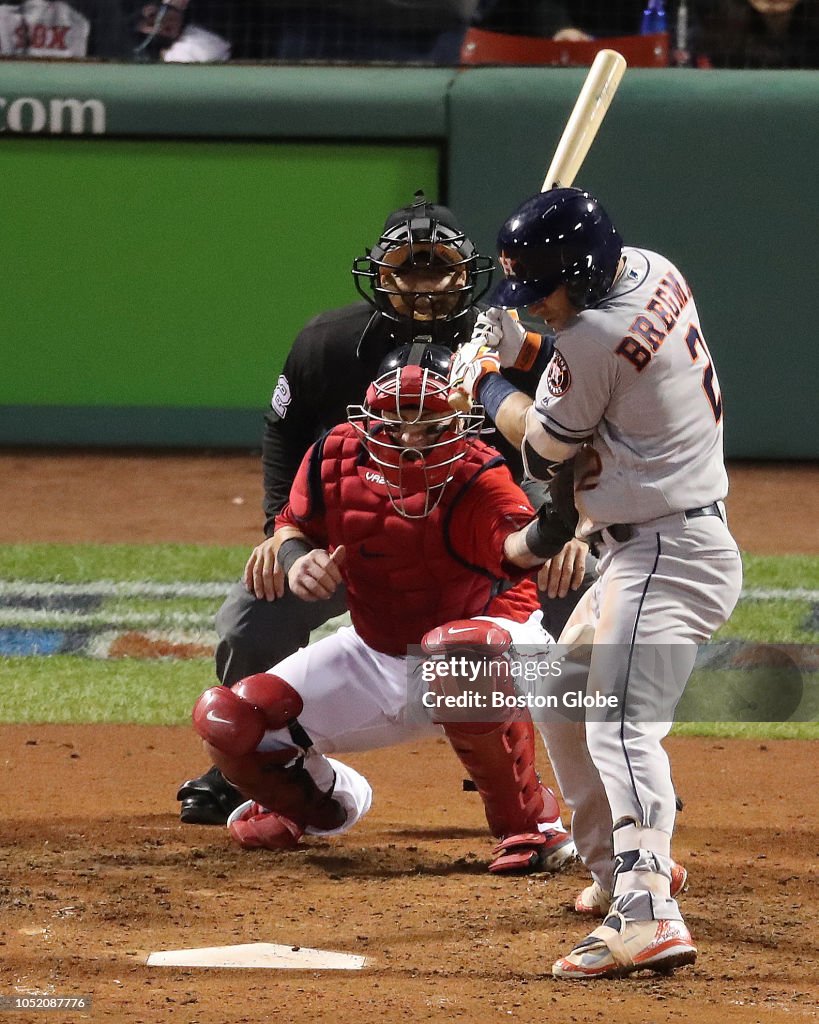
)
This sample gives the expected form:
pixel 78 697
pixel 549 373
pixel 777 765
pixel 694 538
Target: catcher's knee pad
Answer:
pixel 233 721
pixel 484 646
pixel 476 637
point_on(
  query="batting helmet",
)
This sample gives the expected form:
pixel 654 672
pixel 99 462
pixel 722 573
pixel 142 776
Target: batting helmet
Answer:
pixel 423 267
pixel 409 429
pixel 563 236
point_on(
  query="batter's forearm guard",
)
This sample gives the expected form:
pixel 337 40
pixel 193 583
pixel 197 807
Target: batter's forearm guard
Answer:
pixel 536 466
pixel 547 534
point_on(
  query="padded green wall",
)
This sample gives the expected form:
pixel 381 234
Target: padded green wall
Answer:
pixel 152 279
pixel 174 273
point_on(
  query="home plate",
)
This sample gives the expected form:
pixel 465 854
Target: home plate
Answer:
pixel 258 954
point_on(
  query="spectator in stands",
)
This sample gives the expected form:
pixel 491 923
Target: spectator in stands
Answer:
pixel 564 22
pixel 39 28
pixel 168 34
pixel 757 33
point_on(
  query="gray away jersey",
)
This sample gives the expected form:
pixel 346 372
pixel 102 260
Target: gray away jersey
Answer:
pixel 634 378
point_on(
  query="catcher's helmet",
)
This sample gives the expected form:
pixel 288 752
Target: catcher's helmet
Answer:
pixel 409 429
pixel 419 353
pixel 423 267
pixel 563 236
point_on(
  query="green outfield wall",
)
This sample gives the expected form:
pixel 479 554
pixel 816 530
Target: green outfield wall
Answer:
pixel 167 229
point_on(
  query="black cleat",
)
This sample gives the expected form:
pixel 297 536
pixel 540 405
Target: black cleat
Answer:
pixel 208 800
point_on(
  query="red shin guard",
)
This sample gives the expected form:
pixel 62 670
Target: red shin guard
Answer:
pixel 499 755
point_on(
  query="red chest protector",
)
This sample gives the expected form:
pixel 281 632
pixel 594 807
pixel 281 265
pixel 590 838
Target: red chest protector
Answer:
pixel 403 576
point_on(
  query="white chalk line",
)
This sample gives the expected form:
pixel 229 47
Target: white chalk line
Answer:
pixel 115 588
pixel 43 618
pixel 112 588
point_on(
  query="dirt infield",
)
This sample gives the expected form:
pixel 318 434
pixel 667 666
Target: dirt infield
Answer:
pixel 96 871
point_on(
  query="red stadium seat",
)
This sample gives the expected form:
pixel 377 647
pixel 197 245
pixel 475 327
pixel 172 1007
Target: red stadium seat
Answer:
pixel 481 47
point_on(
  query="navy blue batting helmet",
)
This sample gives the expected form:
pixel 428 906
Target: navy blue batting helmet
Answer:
pixel 563 236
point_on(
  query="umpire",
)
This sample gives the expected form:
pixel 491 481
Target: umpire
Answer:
pixel 420 282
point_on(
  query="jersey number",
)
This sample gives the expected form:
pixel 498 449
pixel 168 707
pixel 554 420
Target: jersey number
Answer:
pixel 694 340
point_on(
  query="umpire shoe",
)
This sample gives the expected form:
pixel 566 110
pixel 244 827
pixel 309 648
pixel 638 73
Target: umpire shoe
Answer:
pixel 619 947
pixel 595 900
pixel 208 799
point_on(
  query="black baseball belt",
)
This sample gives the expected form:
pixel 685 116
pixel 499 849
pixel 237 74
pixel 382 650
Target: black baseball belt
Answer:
pixel 621 532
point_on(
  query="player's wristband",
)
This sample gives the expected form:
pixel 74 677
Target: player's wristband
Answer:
pixel 290 551
pixel 493 390
pixel 547 534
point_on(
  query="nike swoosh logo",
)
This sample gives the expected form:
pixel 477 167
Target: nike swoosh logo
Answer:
pixel 466 629
pixel 371 554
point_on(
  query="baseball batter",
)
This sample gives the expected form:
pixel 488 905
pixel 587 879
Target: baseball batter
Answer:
pixel 632 396
pixel 407 508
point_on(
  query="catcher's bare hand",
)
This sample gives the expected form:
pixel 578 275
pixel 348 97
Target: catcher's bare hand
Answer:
pixel 316 575
pixel 565 571
pixel 262 575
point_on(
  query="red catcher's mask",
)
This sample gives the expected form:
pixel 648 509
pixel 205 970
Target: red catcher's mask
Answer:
pixel 413 436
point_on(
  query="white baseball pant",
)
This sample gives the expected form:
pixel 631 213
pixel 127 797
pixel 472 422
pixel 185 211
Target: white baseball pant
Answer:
pixel 673 583
pixel 356 698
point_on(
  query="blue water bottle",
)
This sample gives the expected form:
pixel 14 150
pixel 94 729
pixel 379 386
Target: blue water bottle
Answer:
pixel 654 18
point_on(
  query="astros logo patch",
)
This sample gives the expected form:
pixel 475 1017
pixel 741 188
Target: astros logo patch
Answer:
pixel 558 377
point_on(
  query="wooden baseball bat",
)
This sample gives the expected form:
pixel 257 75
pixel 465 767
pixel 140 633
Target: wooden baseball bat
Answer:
pixel 585 119
pixel 593 100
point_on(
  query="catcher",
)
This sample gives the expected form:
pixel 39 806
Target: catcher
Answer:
pixel 422 280
pixel 414 514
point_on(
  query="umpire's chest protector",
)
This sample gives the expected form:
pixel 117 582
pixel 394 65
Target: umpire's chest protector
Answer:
pixel 403 576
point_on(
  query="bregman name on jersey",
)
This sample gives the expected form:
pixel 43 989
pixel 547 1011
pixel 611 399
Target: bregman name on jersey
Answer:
pixel 645 337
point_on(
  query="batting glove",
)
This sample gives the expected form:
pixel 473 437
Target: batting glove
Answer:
pixel 501 330
pixel 470 364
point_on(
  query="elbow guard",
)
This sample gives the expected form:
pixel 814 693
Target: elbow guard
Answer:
pixel 535 465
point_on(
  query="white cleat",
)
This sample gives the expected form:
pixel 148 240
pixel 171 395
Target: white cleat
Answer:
pixel 619 947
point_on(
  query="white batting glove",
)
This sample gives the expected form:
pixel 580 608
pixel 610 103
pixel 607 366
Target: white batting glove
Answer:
pixel 470 365
pixel 501 330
